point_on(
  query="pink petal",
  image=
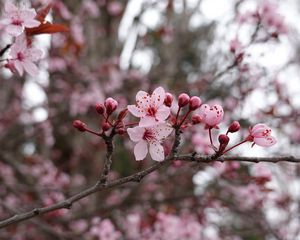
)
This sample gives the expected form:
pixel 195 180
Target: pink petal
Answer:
pixel 162 131
pixel 28 14
pixel 148 121
pixel 143 99
pixel 157 151
pixel 258 129
pixel 140 150
pixel 14 30
pixel 162 113
pixel 5 21
pixel 136 134
pixel 9 7
pixel 158 96
pixel 203 110
pixel 136 111
pixel 31 23
pixel 265 142
pixel 34 54
pixel 18 65
pixel 31 68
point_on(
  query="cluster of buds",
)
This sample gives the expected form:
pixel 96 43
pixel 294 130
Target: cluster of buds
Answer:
pixel 108 123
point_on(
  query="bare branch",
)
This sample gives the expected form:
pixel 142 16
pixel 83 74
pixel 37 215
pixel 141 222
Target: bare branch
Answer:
pixel 137 177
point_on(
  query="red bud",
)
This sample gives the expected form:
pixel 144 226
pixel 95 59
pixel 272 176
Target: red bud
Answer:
pixel 234 127
pixel 100 108
pixel 79 125
pixel 195 102
pixel 183 99
pixel 168 99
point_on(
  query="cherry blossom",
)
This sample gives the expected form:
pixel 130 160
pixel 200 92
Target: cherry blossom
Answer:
pixel 211 115
pixel 260 134
pixel 23 57
pixel 151 109
pixel 15 20
pixel 152 136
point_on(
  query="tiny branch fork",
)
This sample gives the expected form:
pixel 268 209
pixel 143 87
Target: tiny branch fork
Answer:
pixel 137 177
pixel 108 161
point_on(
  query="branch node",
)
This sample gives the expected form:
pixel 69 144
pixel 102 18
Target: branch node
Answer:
pixel 36 211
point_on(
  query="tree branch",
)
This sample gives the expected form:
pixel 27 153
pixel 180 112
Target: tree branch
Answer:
pixel 137 177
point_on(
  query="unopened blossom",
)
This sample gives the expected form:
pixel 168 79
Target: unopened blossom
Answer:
pixel 23 57
pixel 16 19
pixel 260 134
pixel 211 115
pixel 149 137
pixel 150 108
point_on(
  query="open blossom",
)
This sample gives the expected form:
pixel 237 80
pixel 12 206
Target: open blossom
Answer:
pixel 150 108
pixel 152 137
pixel 260 134
pixel 23 57
pixel 15 19
pixel 211 115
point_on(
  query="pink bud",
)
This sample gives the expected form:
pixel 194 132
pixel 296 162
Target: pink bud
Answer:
pixel 105 126
pixel 168 99
pixel 223 139
pixel 111 105
pixel 79 125
pixel 195 102
pixel 196 119
pixel 183 99
pixel 234 127
pixel 100 108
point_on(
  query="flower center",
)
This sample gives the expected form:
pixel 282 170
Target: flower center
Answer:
pixel 17 21
pixel 148 135
pixel 151 111
pixel 266 132
pixel 20 56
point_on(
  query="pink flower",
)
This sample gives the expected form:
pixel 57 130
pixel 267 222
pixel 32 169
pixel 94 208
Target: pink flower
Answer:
pixel 260 134
pixel 151 109
pixel 211 115
pixel 152 136
pixel 15 19
pixel 23 57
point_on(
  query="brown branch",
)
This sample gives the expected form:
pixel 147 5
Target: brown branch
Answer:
pixel 108 161
pixel 137 177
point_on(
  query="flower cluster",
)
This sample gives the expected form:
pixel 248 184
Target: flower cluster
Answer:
pixel 21 23
pixel 157 121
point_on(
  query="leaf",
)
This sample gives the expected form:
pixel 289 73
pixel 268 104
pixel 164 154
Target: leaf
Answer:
pixel 42 13
pixel 45 28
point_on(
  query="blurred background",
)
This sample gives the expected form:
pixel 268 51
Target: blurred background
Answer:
pixel 241 54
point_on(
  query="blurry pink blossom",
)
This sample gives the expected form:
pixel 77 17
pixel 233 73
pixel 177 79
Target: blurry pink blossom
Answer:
pixel 211 115
pixel 15 19
pixel 152 136
pixel 151 109
pixel 260 134
pixel 23 57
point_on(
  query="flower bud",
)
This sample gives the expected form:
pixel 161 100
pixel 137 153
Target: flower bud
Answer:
pixel 120 131
pixel 122 114
pixel 100 108
pixel 168 99
pixel 223 139
pixel 195 103
pixel 196 119
pixel 79 125
pixel 105 126
pixel 234 127
pixel 111 105
pixel 183 99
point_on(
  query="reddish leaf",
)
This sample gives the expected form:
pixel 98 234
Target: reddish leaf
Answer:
pixel 42 13
pixel 46 27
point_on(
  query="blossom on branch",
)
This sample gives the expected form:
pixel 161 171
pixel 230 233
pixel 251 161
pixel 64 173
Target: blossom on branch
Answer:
pixel 152 136
pixel 260 134
pixel 211 115
pixel 22 57
pixel 150 108
pixel 16 20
